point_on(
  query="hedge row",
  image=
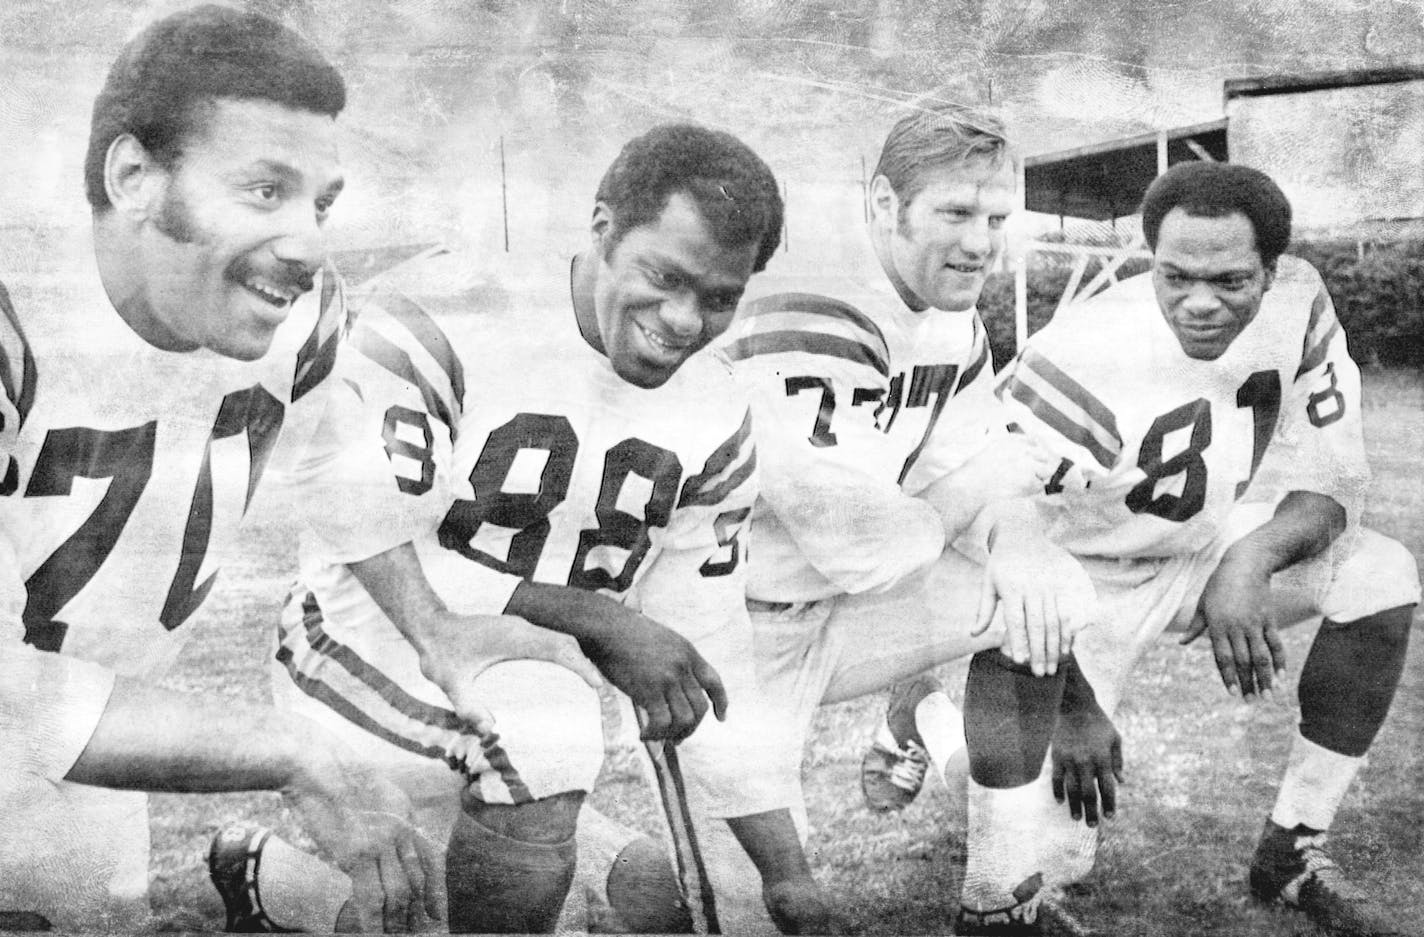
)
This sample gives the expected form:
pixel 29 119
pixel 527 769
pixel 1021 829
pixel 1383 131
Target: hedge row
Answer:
pixel 1378 293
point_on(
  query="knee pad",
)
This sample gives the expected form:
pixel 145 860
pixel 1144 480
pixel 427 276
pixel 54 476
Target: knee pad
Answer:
pixel 548 733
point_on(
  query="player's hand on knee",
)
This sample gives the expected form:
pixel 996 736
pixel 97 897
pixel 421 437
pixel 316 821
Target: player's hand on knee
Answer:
pixel 1087 763
pixel 1045 597
pixel 1234 612
pixel 663 674
pixel 364 824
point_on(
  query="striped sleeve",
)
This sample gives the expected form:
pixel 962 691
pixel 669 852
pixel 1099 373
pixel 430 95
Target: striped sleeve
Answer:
pixel 726 470
pixel 402 338
pixel 1319 442
pixel 1320 331
pixel 1057 401
pixel 17 381
pixel 809 324
pixel 696 584
pixel 979 366
pixel 317 356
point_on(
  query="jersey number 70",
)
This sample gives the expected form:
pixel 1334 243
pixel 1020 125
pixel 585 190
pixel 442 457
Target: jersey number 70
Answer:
pixel 125 457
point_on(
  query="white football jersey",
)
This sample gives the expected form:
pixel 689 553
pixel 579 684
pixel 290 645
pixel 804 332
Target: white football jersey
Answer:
pixel 860 403
pixel 524 456
pixel 1157 446
pixel 124 473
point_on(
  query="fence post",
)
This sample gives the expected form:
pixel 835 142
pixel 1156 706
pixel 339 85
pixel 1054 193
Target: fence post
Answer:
pixel 504 193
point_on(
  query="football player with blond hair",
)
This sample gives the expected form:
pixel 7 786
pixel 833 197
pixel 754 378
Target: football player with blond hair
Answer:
pixel 880 444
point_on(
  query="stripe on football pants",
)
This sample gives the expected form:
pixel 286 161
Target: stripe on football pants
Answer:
pixel 1064 405
pixel 338 677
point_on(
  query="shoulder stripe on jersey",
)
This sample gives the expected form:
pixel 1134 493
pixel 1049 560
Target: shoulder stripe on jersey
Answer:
pixel 1319 333
pixel 980 360
pixel 1065 405
pixel 815 305
pixel 432 338
pixel 317 356
pixel 341 679
pixel 17 362
pixel 814 343
pixel 860 340
pixel 727 467
pixel 390 356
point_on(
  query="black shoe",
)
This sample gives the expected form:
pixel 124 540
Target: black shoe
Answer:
pixel 233 862
pixel 1291 868
pixel 893 769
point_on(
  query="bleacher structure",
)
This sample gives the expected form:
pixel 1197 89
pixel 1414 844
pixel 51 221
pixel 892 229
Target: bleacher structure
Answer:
pixel 1343 145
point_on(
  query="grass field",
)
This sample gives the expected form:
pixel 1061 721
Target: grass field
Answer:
pixel 1201 768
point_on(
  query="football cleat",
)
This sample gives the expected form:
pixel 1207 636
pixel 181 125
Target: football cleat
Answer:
pixel 233 862
pixel 1036 911
pixel 1291 868
pixel 893 769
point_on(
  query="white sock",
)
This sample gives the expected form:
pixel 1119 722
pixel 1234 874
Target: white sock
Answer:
pixel 1002 832
pixel 1314 785
pixel 941 726
pixel 1018 832
pixel 299 891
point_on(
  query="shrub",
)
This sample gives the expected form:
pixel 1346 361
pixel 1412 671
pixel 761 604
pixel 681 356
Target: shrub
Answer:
pixel 1378 293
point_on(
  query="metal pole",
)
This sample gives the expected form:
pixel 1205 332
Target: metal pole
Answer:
pixel 504 193
pixel 785 221
pixel 864 193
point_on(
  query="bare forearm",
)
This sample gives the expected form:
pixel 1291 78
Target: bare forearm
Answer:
pixel 957 506
pixel 156 739
pixel 585 616
pixel 1305 523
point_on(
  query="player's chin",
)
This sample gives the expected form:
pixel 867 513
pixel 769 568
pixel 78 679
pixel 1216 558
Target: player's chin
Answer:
pixel 247 344
pixel 649 373
pixel 959 296
pixel 1204 346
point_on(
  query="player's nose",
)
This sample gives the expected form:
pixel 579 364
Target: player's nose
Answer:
pixel 681 314
pixel 301 242
pixel 1200 300
pixel 977 240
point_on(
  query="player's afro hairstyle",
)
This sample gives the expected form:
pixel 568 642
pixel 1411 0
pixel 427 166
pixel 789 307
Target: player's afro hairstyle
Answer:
pixel 731 186
pixel 936 134
pixel 168 75
pixel 1214 190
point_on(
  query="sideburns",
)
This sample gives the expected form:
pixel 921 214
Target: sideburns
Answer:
pixel 175 221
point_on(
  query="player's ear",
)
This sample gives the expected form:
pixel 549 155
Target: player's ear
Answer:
pixel 602 226
pixel 132 177
pixel 1270 276
pixel 884 203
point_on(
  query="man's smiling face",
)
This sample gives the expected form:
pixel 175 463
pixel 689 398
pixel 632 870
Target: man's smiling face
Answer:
pixel 665 290
pixel 951 233
pixel 236 235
